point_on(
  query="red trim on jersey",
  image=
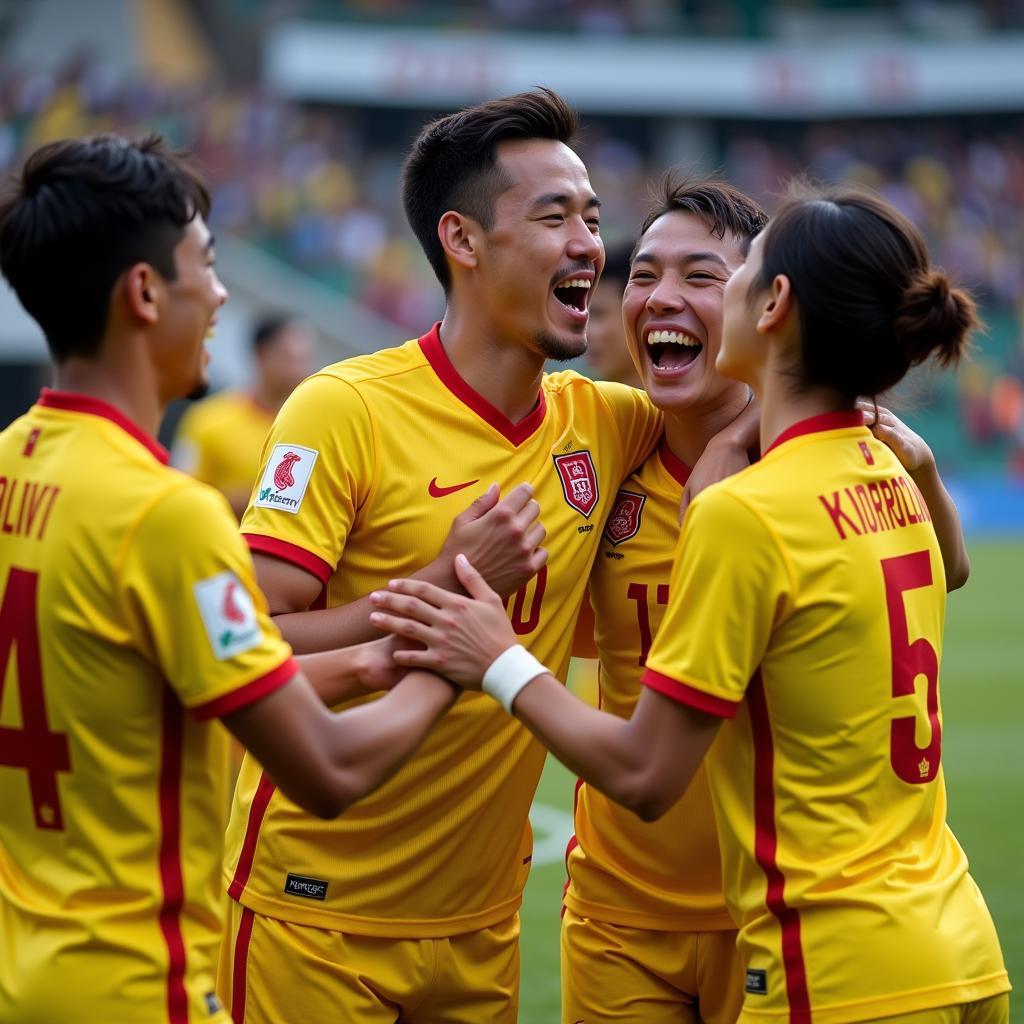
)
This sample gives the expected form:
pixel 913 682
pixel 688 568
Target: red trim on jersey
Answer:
pixel 249 693
pixel 239 980
pixel 517 433
pixel 678 469
pixel 814 424
pixel 688 695
pixel 172 883
pixel 71 401
pixel 766 844
pixel 313 564
pixel 573 842
pixel 260 802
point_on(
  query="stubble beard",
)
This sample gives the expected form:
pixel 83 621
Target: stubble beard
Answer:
pixel 560 349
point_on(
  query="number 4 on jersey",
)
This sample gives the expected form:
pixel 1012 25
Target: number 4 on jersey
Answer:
pixel 32 747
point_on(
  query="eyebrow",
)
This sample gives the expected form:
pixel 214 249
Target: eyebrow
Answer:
pixel 693 257
pixel 562 199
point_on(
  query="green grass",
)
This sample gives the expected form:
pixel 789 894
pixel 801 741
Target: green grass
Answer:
pixel 983 706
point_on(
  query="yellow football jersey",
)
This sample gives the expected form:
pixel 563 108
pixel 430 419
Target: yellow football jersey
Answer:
pixel 368 463
pixel 127 599
pixel 808 600
pixel 664 875
pixel 219 441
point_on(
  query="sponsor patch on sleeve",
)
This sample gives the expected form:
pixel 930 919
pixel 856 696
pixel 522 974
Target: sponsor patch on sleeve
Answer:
pixel 228 615
pixel 286 477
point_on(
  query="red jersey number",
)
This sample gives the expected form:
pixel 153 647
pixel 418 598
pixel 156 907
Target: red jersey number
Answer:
pixel 910 659
pixel 525 620
pixel 33 747
pixel 638 592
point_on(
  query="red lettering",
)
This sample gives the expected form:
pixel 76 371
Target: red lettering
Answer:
pixel 524 624
pixel 891 506
pixel 865 503
pixel 856 507
pixel 46 515
pixel 836 514
pixel 876 502
pixel 11 490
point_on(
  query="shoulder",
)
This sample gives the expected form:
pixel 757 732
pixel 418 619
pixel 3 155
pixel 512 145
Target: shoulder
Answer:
pixel 364 369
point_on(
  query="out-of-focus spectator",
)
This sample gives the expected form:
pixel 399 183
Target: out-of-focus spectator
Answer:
pixel 219 440
pixel 607 354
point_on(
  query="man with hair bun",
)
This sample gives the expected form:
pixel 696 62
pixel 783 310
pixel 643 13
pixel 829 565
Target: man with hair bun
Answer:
pixel 803 636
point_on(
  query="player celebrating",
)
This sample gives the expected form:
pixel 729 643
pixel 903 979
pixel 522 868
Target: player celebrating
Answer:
pixel 806 610
pixel 386 444
pixel 219 440
pixel 129 616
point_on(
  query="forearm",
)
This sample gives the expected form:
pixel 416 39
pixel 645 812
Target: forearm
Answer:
pixel 946 522
pixel 607 752
pixel 334 675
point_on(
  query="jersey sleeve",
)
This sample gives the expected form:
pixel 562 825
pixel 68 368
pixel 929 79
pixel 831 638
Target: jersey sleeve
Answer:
pixel 728 586
pixel 317 470
pixel 638 422
pixel 189 591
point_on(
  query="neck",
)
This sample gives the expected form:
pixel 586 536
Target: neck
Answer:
pixel 268 397
pixel 97 379
pixel 688 432
pixel 782 405
pixel 506 373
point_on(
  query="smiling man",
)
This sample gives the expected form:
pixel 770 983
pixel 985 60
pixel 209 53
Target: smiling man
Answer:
pixel 415 913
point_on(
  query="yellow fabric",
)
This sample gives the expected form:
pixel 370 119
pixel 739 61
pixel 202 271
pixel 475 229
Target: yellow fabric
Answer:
pixel 89 911
pixel 333 976
pixel 443 847
pixel 781 572
pixel 664 874
pixel 618 975
pixel 219 441
pixel 994 1010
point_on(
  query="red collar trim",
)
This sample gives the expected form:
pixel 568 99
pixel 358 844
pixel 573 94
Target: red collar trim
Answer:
pixel 517 433
pixel 814 424
pixel 678 470
pixel 70 401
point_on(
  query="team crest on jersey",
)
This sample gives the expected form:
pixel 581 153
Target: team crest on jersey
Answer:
pixel 579 480
pixel 286 477
pixel 228 614
pixel 624 522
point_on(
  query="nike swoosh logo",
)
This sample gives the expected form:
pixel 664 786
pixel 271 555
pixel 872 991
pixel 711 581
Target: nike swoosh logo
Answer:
pixel 439 492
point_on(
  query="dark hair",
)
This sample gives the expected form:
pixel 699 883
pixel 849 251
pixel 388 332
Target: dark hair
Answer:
pixel 269 327
pixel 83 211
pixel 870 305
pixel 723 207
pixel 453 162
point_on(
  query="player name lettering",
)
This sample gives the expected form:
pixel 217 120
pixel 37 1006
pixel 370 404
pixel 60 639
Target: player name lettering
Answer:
pixel 880 505
pixel 25 506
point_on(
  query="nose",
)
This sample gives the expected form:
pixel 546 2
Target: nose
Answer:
pixel 585 244
pixel 665 297
pixel 221 291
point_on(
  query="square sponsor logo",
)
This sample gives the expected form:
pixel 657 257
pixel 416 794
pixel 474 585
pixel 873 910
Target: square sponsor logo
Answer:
pixel 286 477
pixel 228 614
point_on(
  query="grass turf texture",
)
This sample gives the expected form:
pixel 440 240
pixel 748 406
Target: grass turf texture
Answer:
pixel 983 708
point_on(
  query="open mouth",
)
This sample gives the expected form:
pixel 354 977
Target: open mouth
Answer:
pixel 574 293
pixel 672 350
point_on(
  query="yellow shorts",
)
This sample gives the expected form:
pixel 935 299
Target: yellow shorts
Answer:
pixel 995 1010
pixel 273 971
pixel 640 976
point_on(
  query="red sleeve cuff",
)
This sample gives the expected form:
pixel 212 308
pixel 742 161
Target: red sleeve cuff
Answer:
pixel 690 696
pixel 304 559
pixel 249 693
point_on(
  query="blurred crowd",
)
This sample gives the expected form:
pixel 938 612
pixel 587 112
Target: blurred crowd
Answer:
pixel 319 188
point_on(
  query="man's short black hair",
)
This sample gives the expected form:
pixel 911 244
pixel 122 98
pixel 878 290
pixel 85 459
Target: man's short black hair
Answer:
pixel 80 213
pixel 617 262
pixel 453 162
pixel 268 328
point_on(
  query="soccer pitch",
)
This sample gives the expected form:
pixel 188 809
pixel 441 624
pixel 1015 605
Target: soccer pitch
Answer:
pixel 983 707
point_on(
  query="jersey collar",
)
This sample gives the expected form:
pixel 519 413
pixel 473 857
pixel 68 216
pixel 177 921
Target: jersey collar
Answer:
pixel 677 469
pixel 517 433
pixel 814 424
pixel 71 401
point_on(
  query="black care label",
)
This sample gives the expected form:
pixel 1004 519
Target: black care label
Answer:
pixel 309 888
pixel 757 982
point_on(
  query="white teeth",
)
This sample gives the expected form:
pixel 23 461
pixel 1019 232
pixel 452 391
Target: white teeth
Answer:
pixel 672 338
pixel 580 283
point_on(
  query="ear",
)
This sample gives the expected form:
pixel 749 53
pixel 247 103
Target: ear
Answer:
pixel 777 306
pixel 460 238
pixel 142 287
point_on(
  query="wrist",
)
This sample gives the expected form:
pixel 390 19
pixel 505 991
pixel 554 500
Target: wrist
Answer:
pixel 510 672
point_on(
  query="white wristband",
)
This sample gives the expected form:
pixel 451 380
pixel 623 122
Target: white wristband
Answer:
pixel 509 673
